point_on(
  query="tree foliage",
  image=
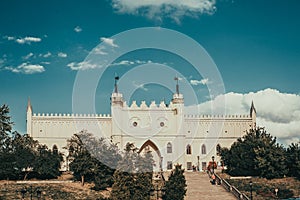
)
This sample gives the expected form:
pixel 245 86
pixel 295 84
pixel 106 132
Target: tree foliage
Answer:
pixel 92 159
pixel 5 123
pixel 47 162
pixel 19 154
pixel 133 177
pixel 293 160
pixel 255 154
pixel 175 187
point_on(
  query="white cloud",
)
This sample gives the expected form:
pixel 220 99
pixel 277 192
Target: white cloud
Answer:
pixel 46 63
pixel 26 68
pixel 130 62
pixel 28 40
pixel 82 65
pixel 157 9
pixel 48 54
pixel 10 38
pixel 27 56
pixel 198 82
pixel 77 29
pixel 62 55
pixel 20 40
pixel 278 112
pixel 108 41
pixel 100 50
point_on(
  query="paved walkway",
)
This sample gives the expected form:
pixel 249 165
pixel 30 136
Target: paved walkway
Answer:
pixel 199 188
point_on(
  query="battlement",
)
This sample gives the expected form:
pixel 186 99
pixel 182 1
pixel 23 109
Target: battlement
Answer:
pixel 187 116
pixel 153 106
pixel 72 115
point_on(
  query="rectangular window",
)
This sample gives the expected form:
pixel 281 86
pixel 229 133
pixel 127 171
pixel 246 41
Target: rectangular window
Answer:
pixel 169 148
pixel 169 165
pixel 189 166
pixel 203 165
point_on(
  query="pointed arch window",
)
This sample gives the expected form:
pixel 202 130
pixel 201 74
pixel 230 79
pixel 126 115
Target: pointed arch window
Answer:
pixel 169 147
pixel 55 149
pixel 218 149
pixel 188 149
pixel 203 149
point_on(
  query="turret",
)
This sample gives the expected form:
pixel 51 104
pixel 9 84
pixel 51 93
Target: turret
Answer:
pixel 177 97
pixel 116 97
pixel 178 104
pixel 253 115
pixel 29 116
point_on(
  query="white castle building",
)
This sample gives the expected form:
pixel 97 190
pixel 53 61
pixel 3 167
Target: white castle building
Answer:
pixel 172 135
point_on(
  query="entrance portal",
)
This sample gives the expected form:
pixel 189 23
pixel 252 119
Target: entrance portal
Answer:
pixel 150 146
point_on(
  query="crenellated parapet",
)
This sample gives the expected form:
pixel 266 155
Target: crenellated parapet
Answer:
pixel 221 117
pixel 72 115
pixel 152 106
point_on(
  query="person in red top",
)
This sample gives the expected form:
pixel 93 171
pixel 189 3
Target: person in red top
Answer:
pixel 213 179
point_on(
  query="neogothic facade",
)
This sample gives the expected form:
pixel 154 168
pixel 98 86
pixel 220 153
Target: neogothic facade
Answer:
pixel 172 135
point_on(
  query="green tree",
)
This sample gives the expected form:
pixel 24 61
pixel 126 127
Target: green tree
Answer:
pixel 293 160
pixel 5 123
pixel 92 159
pixel 21 154
pixel 133 177
pixel 107 158
pixel 175 187
pixel 123 187
pixel 24 152
pixel 83 165
pixel 255 154
pixel 7 170
pixel 240 158
pixel 143 175
pixel 271 161
pixel 47 162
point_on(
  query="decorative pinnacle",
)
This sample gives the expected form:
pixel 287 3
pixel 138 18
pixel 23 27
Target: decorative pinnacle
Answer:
pixel 177 85
pixel 116 85
pixel 29 105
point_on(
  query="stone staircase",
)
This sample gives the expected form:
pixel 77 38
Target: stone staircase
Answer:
pixel 199 188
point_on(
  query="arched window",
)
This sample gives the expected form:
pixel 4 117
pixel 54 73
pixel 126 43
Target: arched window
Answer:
pixel 169 147
pixel 55 149
pixel 203 149
pixel 218 149
pixel 188 149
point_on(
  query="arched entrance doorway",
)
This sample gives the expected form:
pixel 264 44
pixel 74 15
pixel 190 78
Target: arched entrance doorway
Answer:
pixel 150 146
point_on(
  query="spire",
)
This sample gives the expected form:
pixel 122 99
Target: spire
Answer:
pixel 29 107
pixel 177 97
pixel 116 83
pixel 252 109
pixel 177 85
pixel 116 97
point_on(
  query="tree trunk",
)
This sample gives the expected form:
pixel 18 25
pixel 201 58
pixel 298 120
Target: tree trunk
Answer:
pixel 25 177
pixel 82 180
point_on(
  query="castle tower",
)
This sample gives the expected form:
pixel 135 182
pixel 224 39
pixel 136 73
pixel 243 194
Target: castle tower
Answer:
pixel 253 115
pixel 29 116
pixel 116 97
pixel 178 100
pixel 117 114
pixel 179 141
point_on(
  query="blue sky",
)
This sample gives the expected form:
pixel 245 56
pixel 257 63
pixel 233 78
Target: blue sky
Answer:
pixel 255 45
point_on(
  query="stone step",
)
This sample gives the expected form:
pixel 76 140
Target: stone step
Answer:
pixel 200 188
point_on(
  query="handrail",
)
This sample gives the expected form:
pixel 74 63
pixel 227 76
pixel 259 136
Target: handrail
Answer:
pixel 231 188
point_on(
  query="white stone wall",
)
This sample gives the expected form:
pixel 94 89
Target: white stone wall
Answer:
pixel 158 124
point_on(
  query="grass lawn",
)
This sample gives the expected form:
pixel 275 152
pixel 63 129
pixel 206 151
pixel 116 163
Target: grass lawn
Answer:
pixel 264 189
pixel 67 190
